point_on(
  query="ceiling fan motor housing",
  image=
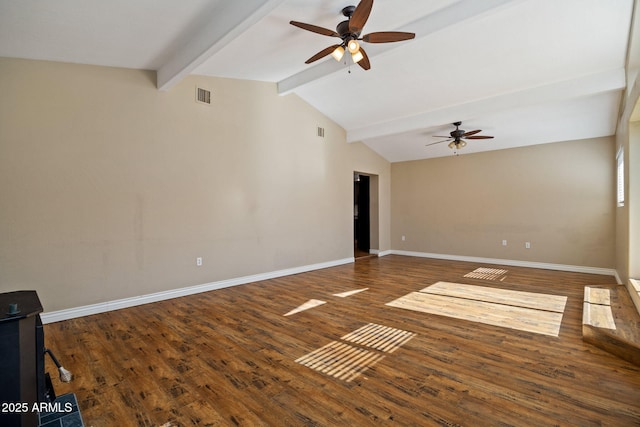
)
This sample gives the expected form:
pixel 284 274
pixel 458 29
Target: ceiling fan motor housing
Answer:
pixel 343 28
pixel 345 34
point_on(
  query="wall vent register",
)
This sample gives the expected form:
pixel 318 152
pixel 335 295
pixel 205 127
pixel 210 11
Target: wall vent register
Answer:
pixel 203 96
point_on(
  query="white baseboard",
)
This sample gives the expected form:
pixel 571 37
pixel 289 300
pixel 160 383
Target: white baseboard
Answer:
pixel 379 252
pixel 515 263
pixel 57 316
pixel 618 280
pixel 634 291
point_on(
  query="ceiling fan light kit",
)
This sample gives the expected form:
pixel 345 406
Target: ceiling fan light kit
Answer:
pixel 349 31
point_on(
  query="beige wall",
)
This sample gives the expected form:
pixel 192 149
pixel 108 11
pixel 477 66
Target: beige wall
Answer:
pixel 560 197
pixel 110 189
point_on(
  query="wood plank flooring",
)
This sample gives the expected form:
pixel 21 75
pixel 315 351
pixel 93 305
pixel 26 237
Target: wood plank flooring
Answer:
pixel 228 357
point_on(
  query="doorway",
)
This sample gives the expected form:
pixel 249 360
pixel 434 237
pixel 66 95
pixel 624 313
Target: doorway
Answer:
pixel 362 198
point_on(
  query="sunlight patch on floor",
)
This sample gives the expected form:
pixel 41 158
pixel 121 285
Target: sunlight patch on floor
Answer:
pixel 345 361
pixel 487 274
pixel 596 308
pixel 340 360
pixel 380 337
pixel 534 300
pixel 306 306
pixel 316 302
pixel 526 311
pixel 349 293
pixel 600 296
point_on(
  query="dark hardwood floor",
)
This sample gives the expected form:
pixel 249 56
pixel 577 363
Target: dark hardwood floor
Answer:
pixel 228 357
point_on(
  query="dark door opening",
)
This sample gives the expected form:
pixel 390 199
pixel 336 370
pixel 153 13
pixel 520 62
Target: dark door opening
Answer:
pixel 361 215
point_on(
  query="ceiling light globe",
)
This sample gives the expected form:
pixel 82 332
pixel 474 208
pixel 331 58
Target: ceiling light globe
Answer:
pixel 357 57
pixel 353 46
pixel 338 53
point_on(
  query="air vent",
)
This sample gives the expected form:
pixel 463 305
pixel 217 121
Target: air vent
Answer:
pixel 203 96
pixel 320 132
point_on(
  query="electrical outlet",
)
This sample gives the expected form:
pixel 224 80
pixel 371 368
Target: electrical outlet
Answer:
pixel 403 238
pixel 504 243
pixel 527 245
pixel 199 261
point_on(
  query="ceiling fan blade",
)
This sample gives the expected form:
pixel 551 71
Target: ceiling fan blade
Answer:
pixel 434 143
pixel 471 132
pixel 438 136
pixel 314 29
pixel 364 62
pixel 360 16
pixel 387 37
pixel 321 54
pixel 478 137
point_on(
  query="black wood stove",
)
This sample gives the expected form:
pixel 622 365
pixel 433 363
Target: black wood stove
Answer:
pixel 26 392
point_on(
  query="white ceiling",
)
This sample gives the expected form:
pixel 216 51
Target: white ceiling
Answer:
pixel 525 71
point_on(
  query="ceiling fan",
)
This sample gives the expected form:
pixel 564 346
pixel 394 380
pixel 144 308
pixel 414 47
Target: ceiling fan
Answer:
pixel 349 31
pixel 458 137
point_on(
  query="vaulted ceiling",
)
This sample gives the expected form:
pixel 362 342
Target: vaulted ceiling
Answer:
pixel 525 71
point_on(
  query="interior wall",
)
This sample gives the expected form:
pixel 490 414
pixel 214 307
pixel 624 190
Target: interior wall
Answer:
pixel 559 197
pixel 374 207
pixel 111 189
pixel 368 162
pixel 633 195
